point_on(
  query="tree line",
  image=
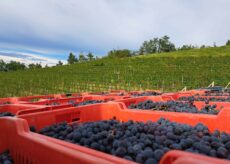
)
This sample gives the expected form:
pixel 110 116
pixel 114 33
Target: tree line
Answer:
pixel 155 46
pixel 14 65
pixel 72 59
pixel 152 46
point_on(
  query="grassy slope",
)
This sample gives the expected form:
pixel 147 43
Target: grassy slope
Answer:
pixel 168 71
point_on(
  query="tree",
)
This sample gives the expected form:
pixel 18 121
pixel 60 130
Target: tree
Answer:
pixel 119 53
pixel 149 47
pixel 157 45
pixel 187 47
pixel 38 65
pixel 228 43
pixel 202 46
pixel 13 66
pixel 34 66
pixel 59 63
pixel 164 45
pixel 71 59
pixel 82 57
pixel 31 66
pixel 90 56
pixel 214 44
pixel 2 65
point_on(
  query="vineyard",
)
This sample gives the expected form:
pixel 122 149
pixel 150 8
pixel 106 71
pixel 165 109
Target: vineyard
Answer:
pixel 166 71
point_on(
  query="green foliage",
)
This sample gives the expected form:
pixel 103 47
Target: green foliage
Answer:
pixel 157 45
pixel 59 63
pixel 164 45
pixel 203 46
pixel 82 58
pixel 72 59
pixel 120 53
pixel 90 56
pixel 34 66
pixel 187 47
pixel 2 65
pixel 13 66
pixel 228 43
pixel 167 71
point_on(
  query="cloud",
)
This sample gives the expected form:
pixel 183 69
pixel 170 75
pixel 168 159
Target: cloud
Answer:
pixel 60 26
pixel 27 58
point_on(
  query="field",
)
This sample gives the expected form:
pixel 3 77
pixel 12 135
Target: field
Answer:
pixel 168 72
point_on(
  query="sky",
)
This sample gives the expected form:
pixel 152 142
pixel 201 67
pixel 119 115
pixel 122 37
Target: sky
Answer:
pixel 47 30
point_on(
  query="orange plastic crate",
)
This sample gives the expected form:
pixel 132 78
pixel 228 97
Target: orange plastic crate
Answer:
pixel 117 91
pixel 127 102
pixel 11 100
pixel 43 106
pixel 135 100
pixel 16 109
pixel 108 111
pixel 219 104
pixel 60 101
pixel 65 101
pixel 26 147
pixel 181 157
pixel 108 93
pixel 39 97
pixel 196 96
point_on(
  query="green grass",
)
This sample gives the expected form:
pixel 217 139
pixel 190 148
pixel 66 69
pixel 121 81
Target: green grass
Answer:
pixel 166 71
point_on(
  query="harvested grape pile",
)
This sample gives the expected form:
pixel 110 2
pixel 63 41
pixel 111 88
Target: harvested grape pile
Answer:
pixel 5 158
pixel 4 114
pixel 53 104
pixel 174 106
pixel 219 93
pixel 89 102
pixel 146 94
pixel 143 142
pixel 206 99
pixel 74 103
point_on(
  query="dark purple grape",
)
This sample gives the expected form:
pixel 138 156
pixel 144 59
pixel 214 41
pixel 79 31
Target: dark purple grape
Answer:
pixel 5 158
pixel 4 114
pixel 142 142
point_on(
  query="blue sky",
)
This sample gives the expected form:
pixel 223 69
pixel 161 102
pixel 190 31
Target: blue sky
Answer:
pixel 53 28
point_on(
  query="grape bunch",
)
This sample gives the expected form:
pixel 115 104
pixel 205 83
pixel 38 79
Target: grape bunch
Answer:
pixel 206 99
pixel 174 106
pixel 143 142
pixel 53 104
pixel 72 102
pixel 146 94
pixel 217 94
pixel 88 102
pixel 225 92
pixel 4 114
pixel 5 158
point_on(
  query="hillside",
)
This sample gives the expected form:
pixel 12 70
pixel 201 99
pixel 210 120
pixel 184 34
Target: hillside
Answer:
pixel 168 71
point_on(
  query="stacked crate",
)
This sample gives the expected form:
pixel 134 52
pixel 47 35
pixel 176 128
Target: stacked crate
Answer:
pixel 24 133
